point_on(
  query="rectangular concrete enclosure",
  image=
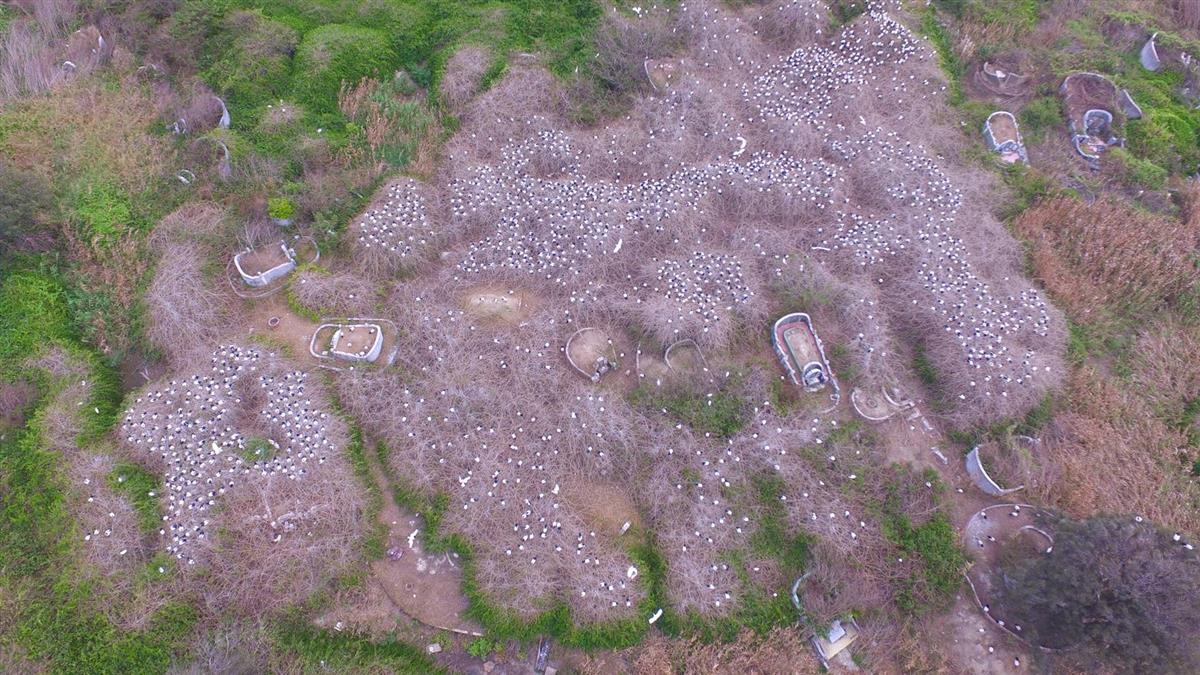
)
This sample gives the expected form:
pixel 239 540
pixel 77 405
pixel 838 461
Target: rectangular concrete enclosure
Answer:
pixel 261 266
pixel 800 351
pixel 358 342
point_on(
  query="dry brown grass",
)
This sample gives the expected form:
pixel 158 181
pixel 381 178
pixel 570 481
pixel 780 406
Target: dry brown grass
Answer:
pixel 1107 452
pixel 1108 254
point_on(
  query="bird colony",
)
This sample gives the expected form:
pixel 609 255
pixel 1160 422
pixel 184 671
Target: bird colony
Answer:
pixel 197 429
pixel 397 226
pixel 751 170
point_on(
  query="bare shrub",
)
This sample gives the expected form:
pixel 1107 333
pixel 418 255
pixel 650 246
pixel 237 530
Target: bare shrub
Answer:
pixel 199 223
pixel 503 111
pixel 114 546
pixel 283 540
pixel 1188 14
pixel 624 43
pixel 792 24
pixel 52 16
pixel 332 294
pixel 463 75
pixel 187 314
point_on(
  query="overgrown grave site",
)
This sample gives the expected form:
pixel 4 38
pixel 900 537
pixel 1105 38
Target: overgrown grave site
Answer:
pixel 668 349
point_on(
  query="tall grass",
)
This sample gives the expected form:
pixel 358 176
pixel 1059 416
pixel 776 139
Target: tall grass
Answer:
pixel 57 621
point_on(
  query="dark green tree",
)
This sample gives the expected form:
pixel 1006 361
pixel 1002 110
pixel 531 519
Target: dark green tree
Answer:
pixel 1124 594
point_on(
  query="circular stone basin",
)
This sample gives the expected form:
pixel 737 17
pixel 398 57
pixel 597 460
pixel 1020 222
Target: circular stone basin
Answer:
pixel 873 407
pixel 589 348
pixel 684 357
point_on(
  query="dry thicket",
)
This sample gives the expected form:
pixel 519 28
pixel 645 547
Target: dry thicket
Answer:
pixel 27 62
pixel 332 294
pixel 187 314
pixel 463 75
pixel 1107 452
pixel 188 310
pixel 251 532
pixel 793 23
pixel 37 53
pixel 255 570
pixel 624 43
pixel 751 183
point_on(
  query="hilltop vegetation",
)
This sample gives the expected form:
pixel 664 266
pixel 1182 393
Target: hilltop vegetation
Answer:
pixel 486 180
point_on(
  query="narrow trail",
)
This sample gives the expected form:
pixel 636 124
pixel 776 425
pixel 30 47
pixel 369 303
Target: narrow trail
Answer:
pixel 426 587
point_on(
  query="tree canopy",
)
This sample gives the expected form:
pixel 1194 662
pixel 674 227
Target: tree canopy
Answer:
pixel 1121 592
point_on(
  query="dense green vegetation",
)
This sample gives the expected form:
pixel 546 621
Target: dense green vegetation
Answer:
pixel 931 546
pixel 140 488
pixel 721 413
pixel 51 600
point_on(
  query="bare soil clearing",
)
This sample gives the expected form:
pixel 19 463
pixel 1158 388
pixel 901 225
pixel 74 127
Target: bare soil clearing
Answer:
pixel 424 586
pixel 500 305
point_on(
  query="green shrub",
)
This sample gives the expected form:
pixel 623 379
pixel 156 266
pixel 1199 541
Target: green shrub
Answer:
pixel 1167 138
pixel 482 647
pixel 335 54
pixel 99 209
pixel 33 312
pixel 141 489
pixel 772 538
pixel 1139 172
pixel 253 59
pixel 56 623
pixel 281 208
pixel 1040 115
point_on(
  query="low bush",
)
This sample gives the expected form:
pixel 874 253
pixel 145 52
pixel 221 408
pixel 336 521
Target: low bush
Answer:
pixel 140 488
pixel 335 55
pixel 721 413
pixel 1138 172
pixel 318 650
pixel 100 210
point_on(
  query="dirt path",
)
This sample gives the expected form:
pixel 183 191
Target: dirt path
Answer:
pixel 425 586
